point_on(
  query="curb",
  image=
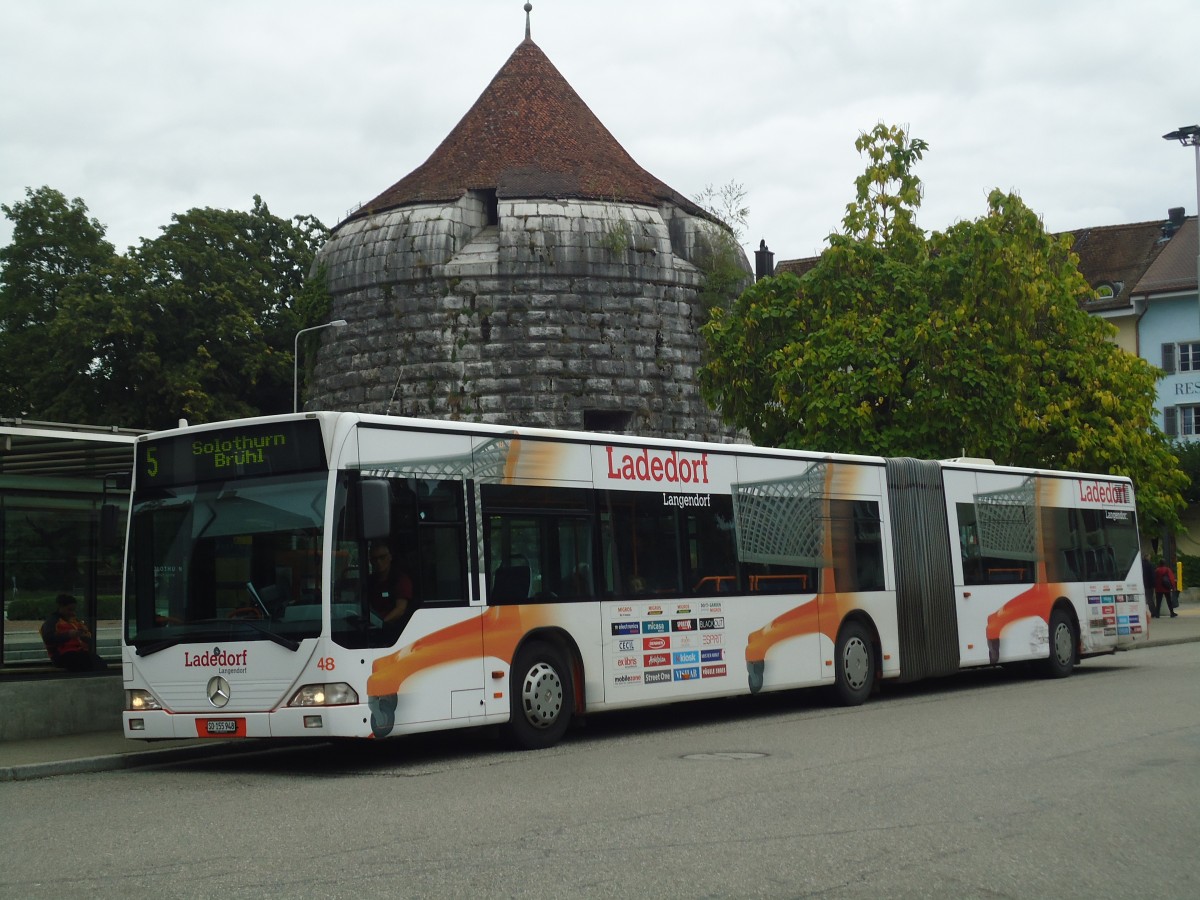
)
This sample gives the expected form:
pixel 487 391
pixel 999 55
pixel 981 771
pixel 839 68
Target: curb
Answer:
pixel 1163 642
pixel 137 759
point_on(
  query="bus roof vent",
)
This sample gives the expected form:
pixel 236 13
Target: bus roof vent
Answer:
pixel 971 461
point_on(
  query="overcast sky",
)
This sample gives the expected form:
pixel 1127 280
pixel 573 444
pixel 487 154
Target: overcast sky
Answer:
pixel 147 108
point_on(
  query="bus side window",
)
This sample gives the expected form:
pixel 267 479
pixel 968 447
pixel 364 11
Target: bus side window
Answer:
pixel 511 583
pixel 429 536
pixel 538 543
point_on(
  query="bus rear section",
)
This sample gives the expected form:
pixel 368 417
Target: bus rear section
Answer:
pixel 1048 566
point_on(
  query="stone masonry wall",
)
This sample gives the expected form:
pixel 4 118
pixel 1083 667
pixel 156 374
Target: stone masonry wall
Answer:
pixel 563 307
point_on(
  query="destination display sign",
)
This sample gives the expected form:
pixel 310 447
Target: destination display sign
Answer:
pixel 277 448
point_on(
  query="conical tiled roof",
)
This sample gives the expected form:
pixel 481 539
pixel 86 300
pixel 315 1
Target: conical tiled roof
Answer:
pixel 529 135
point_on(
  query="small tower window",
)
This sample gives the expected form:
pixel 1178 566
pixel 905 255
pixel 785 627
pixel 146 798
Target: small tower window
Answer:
pixel 611 421
pixel 491 207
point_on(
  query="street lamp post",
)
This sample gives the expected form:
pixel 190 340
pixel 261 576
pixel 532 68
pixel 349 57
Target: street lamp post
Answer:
pixel 336 323
pixel 1189 136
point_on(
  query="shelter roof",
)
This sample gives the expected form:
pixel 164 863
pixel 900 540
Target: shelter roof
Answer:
pixel 53 450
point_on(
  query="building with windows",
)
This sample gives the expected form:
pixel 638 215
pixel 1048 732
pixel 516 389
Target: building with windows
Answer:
pixel 1167 306
pixel 1144 275
pixel 1113 259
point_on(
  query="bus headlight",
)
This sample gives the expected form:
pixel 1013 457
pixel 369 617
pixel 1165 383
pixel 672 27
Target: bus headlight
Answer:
pixel 138 700
pixel 336 694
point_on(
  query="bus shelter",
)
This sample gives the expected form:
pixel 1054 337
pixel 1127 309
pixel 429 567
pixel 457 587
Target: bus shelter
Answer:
pixel 54 481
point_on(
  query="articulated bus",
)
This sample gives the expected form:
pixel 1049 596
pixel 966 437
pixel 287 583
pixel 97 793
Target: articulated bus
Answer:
pixel 555 574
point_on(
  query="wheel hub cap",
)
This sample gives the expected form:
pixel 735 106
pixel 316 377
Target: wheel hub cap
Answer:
pixel 854 661
pixel 542 696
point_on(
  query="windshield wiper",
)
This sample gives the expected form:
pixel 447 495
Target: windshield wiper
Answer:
pixel 279 639
pixel 257 599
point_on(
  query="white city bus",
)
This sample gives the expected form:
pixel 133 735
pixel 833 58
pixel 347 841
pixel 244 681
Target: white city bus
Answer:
pixel 555 574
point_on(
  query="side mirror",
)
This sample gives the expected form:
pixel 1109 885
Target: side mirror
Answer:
pixel 375 509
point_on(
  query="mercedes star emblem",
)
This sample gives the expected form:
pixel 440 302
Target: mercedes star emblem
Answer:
pixel 218 691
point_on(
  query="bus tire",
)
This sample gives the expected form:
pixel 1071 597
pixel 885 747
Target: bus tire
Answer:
pixel 854 665
pixel 542 696
pixel 1063 646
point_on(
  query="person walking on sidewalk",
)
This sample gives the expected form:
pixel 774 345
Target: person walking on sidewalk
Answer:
pixel 1164 586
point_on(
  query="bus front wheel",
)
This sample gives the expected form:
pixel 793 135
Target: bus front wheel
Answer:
pixel 1063 643
pixel 542 696
pixel 854 664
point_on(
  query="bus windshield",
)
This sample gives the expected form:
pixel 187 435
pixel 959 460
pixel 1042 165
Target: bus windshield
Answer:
pixel 226 560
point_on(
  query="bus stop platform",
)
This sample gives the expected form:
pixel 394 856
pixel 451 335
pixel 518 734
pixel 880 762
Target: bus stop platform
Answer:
pixel 108 750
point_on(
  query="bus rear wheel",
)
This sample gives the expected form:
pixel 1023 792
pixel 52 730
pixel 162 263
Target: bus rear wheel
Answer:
pixel 1063 644
pixel 542 696
pixel 854 665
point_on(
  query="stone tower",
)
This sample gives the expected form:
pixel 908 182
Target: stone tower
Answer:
pixel 528 273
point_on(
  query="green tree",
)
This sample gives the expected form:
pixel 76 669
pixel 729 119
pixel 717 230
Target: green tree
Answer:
pixel 197 323
pixel 965 342
pixel 1188 453
pixel 56 248
pixel 719 254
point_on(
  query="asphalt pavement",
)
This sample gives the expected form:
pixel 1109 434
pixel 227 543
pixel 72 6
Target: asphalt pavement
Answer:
pixel 110 750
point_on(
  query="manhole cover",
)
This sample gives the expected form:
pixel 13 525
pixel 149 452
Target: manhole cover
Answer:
pixel 737 754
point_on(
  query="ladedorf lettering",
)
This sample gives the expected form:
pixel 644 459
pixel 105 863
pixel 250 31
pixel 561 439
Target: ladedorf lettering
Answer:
pixel 645 466
pixel 215 657
pixel 1096 492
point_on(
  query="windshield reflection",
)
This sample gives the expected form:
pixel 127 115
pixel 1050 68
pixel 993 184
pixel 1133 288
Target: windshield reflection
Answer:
pixel 207 561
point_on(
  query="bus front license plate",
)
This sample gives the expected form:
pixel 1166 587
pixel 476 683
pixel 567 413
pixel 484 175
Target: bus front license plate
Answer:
pixel 224 727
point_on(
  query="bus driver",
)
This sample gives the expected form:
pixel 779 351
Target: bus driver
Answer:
pixel 390 590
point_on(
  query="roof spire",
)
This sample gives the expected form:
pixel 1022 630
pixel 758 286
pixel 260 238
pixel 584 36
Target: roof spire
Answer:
pixel 528 8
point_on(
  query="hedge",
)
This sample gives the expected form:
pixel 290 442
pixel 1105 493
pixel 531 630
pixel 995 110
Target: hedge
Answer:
pixel 39 608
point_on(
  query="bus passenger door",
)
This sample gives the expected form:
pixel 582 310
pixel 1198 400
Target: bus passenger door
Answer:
pixel 434 670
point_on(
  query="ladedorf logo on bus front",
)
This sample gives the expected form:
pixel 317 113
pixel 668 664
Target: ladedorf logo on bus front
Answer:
pixel 227 663
pixel 647 466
